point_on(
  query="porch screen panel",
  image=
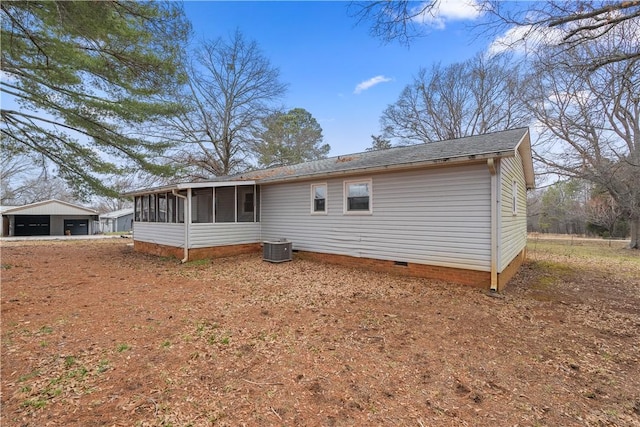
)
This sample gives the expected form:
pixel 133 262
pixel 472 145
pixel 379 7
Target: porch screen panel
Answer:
pixel 152 208
pixel 171 208
pixel 225 204
pixel 145 208
pixel 202 205
pixel 180 208
pixel 257 203
pixel 162 207
pixel 246 203
pixel 138 208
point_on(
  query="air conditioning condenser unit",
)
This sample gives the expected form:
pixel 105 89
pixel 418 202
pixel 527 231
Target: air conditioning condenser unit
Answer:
pixel 277 251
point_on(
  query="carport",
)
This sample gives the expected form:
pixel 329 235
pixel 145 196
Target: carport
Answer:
pixel 48 218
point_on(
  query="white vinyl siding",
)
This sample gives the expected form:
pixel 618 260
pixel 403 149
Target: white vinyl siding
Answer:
pixel 437 216
pixel 159 233
pixel 221 234
pixel 201 235
pixel 512 224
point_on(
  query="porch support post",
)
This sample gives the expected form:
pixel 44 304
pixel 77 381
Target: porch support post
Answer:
pixel 494 224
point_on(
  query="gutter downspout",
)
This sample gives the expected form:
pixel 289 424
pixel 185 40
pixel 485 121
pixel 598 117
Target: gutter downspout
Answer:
pixel 494 225
pixel 187 220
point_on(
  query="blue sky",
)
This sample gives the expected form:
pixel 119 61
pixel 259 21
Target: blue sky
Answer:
pixel 323 56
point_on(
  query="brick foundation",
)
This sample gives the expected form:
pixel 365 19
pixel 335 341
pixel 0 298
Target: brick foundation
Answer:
pixel 159 250
pixel 223 251
pixel 195 254
pixel 479 279
pixel 511 270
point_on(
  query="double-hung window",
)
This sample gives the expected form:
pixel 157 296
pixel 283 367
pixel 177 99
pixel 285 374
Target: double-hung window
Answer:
pixel 318 198
pixel 357 197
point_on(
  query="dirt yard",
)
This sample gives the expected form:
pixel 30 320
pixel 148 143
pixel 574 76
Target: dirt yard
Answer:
pixel 94 334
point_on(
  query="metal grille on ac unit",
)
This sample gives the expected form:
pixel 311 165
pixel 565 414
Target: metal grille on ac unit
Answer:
pixel 277 251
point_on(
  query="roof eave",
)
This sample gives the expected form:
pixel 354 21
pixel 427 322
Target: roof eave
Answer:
pixel 44 202
pixel 187 185
pixel 524 149
pixel 474 158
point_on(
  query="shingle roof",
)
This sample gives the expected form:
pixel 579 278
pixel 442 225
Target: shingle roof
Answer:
pixel 497 144
pixel 118 213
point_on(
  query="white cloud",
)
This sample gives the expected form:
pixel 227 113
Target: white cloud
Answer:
pixel 448 10
pixel 524 39
pixel 367 84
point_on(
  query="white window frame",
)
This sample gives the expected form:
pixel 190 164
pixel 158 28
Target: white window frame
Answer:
pixel 345 194
pixel 514 197
pixel 326 198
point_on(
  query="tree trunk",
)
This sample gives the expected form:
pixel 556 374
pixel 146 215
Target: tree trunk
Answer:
pixel 635 233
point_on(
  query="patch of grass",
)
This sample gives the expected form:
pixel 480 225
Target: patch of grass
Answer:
pixel 552 273
pixel 6 266
pixel 103 366
pixel 28 376
pixel 79 373
pixel 198 262
pixel 582 248
pixel 69 361
pixel 35 403
pixel 205 326
pixel 166 344
pixel 46 330
pixel 123 347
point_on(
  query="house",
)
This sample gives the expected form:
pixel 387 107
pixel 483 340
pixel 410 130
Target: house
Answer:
pixel 452 210
pixel 47 218
pixel 117 221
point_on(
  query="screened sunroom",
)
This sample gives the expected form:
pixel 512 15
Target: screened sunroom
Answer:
pixel 198 215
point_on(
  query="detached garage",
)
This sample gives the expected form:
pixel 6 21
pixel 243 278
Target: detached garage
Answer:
pixel 48 218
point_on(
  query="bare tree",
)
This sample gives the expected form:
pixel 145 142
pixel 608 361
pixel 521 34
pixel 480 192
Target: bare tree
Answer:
pixel 232 86
pixel 603 211
pixel 23 182
pixel 576 22
pixel 13 167
pixel 473 97
pixel 573 22
pixel 589 121
pixel 38 189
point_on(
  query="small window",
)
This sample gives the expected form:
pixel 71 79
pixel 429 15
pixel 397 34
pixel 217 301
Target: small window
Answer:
pixel 318 198
pixel 357 196
pixel 514 197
